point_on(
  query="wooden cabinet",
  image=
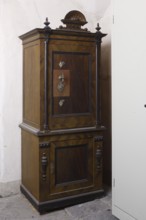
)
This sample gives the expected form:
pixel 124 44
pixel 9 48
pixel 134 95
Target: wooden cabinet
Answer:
pixel 62 136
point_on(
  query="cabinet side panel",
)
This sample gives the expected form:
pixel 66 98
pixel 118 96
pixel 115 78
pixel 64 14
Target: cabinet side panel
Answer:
pixel 30 163
pixel 31 84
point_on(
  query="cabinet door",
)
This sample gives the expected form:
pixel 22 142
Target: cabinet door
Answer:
pixel 73 96
pixel 72 167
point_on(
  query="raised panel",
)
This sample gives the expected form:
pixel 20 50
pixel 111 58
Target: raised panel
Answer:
pixel 30 152
pixel 71 165
pixel 31 84
pixel 78 98
pixel 74 107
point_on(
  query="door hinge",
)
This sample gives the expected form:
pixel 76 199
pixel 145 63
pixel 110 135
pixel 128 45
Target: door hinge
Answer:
pixel 113 19
pixel 113 182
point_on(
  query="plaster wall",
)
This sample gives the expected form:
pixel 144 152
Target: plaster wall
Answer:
pixel 16 18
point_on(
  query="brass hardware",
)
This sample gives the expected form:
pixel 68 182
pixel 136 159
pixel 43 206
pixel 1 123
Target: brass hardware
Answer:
pixel 61 64
pixel 44 166
pixel 61 77
pixel 61 83
pixel 61 102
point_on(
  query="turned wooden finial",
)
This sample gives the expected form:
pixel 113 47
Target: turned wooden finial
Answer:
pixel 98 27
pixel 46 23
pixel 99 34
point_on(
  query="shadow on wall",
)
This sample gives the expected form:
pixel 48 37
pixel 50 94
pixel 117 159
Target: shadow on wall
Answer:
pixel 106 109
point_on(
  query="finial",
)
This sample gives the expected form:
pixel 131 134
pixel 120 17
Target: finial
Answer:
pixel 98 27
pixel 46 23
pixel 99 35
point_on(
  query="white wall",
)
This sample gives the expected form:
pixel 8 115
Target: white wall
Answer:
pixel 16 18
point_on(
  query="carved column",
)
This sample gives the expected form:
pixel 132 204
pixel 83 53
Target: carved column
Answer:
pixel 47 33
pixel 98 39
pixel 44 161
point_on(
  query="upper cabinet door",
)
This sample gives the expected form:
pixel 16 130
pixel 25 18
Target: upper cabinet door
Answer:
pixel 128 111
pixel 73 88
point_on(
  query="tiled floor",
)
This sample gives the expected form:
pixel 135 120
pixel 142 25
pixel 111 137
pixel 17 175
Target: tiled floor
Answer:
pixel 17 207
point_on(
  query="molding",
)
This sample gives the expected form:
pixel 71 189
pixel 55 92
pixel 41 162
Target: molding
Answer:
pixel 44 144
pixel 98 138
pixel 54 204
pixel 40 133
pixel 29 128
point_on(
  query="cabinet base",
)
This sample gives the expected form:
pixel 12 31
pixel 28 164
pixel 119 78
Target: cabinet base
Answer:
pixel 51 205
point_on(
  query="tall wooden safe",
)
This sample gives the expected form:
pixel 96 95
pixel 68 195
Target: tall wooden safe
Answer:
pixel 62 136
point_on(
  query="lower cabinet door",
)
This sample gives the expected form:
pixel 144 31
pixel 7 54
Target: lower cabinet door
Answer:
pixel 71 166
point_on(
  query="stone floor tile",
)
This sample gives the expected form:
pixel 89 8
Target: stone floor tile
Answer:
pixel 100 215
pixel 56 215
pixel 88 208
pixel 107 200
pixel 17 207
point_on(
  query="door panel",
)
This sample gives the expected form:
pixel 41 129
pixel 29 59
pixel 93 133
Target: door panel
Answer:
pixel 75 81
pixel 68 164
pixel 73 76
pixel 72 163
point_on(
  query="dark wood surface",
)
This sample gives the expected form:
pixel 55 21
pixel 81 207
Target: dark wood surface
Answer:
pixel 71 164
pixel 79 83
pixel 105 80
pixel 62 144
